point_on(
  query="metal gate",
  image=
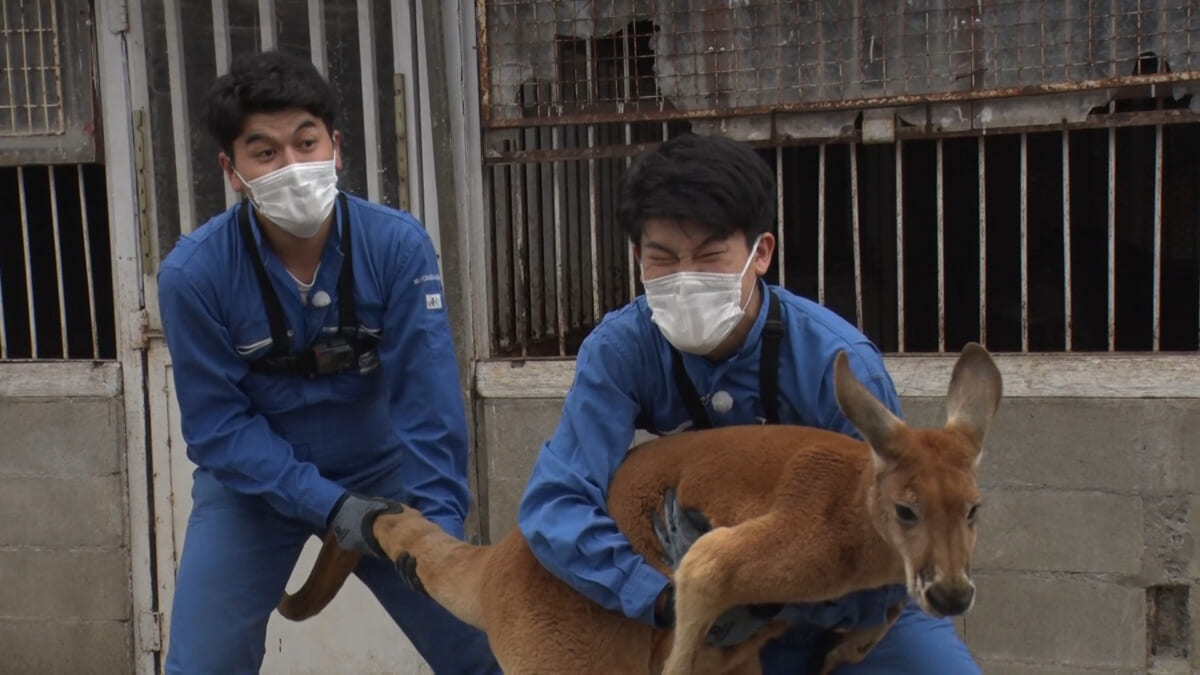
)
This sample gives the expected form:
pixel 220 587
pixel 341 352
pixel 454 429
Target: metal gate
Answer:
pixel 946 171
pixel 367 49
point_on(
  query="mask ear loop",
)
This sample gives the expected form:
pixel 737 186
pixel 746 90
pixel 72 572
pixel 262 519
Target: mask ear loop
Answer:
pixel 753 253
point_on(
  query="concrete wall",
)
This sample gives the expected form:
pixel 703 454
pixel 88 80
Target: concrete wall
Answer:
pixel 1085 561
pixel 65 600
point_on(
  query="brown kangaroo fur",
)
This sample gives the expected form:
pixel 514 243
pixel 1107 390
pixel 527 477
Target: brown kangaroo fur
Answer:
pixel 798 515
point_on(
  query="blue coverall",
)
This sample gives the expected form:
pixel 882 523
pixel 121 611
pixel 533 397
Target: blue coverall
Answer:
pixel 623 380
pixel 275 452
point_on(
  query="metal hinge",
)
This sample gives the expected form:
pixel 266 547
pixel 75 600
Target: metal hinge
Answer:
pixel 143 195
pixel 401 142
pixel 150 631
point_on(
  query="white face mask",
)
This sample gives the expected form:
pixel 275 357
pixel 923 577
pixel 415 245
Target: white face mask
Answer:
pixel 697 310
pixel 298 197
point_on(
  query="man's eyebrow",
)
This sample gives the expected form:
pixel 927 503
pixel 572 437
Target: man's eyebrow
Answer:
pixel 712 239
pixel 658 247
pixel 255 137
pixel 305 125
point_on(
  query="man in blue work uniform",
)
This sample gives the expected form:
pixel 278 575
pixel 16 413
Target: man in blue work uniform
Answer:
pixel 316 378
pixel 710 343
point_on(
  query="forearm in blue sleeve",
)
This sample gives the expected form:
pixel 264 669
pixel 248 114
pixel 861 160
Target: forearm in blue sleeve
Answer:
pixel 222 434
pixel 563 513
pixel 418 357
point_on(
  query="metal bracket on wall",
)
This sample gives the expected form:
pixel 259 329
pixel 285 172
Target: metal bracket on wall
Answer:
pixel 401 143
pixel 143 197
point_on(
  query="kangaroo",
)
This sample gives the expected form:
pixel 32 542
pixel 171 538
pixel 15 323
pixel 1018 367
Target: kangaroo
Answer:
pixel 797 515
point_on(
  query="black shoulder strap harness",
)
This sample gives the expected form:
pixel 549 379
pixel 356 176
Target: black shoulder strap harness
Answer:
pixel 768 372
pixel 326 356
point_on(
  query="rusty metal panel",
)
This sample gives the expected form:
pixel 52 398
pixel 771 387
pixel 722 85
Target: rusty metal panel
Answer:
pixel 631 60
pixel 47 104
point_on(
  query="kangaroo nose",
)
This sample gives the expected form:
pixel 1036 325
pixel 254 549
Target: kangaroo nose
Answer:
pixel 950 601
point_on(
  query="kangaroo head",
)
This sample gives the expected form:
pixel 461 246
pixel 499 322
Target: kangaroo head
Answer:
pixel 925 495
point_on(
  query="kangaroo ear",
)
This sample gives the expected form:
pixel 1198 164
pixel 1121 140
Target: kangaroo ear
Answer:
pixel 873 420
pixel 975 391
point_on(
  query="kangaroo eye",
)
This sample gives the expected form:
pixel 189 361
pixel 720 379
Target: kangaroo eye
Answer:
pixel 905 514
pixel 974 511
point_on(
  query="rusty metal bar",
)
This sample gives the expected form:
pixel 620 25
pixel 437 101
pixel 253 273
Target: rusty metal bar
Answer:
pixel 87 263
pixel 1066 223
pixel 559 245
pixel 592 227
pixel 632 262
pixel 28 262
pixel 982 158
pixel 41 32
pixel 1158 194
pixel 1117 120
pixel 941 248
pixel 899 246
pixel 1024 225
pixel 780 241
pixel 520 257
pixel 56 228
pixel 821 224
pixel 532 257
pixel 858 286
pixel 1112 239
pixel 502 256
pixel 635 115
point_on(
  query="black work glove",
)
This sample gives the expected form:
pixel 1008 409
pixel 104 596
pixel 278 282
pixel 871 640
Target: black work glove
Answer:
pixel 677 530
pixel 352 521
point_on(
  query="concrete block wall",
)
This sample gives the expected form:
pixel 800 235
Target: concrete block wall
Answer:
pixel 1086 561
pixel 65 599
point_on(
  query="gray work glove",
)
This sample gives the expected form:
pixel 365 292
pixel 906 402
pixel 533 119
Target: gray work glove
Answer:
pixel 677 530
pixel 352 521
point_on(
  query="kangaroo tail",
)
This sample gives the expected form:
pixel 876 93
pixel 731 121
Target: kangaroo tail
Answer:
pixel 328 574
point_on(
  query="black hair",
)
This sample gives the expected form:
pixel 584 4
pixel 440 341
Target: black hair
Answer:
pixel 718 183
pixel 266 82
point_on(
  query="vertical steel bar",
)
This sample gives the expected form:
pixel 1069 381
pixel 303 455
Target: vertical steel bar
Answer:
pixel 9 71
pixel 520 255
pixel 1158 190
pixel 821 224
pixel 982 159
pixel 370 95
pixel 179 116
pixel 25 78
pixel 633 265
pixel 1112 239
pixel 900 246
pixel 56 228
pixel 316 34
pixel 41 36
pixel 781 233
pixel 33 343
pixel 266 24
pixel 593 237
pixel 941 247
pixel 1066 224
pixel 858 289
pixel 222 51
pixel 87 263
pixel 1024 242
pixel 559 245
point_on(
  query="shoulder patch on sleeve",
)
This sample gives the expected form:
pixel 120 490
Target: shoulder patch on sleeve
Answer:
pixel 433 301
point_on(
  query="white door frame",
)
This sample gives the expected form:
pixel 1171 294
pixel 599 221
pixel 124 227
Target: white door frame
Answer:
pixel 111 25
